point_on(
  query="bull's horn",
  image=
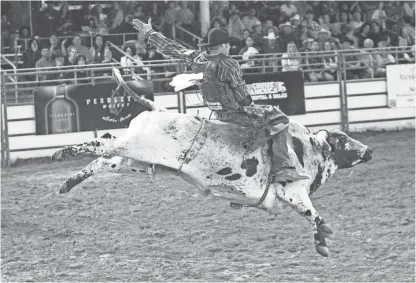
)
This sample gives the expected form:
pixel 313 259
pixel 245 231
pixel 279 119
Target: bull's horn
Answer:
pixel 146 102
pixel 323 134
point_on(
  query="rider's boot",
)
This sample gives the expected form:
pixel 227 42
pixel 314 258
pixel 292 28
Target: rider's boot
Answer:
pixel 283 169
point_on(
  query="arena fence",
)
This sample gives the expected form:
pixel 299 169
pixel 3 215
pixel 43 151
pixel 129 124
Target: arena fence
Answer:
pixel 351 105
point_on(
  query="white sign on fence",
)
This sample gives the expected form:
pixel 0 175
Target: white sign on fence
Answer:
pixel 401 85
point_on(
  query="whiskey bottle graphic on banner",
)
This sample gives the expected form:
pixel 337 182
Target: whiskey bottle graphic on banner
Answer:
pixel 61 113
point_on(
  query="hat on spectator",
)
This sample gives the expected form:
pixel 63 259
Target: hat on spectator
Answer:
pixel 295 18
pixel 325 31
pixel 217 36
pixel 257 23
pixel 287 24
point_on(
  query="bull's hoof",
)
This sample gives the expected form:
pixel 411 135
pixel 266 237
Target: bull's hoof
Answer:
pixel 322 250
pixel 325 230
pixel 64 188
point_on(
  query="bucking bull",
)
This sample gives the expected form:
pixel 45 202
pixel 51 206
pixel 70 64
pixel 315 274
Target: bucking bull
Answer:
pixel 209 155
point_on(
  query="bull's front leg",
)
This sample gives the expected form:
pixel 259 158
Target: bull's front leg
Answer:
pixel 295 195
pixel 116 164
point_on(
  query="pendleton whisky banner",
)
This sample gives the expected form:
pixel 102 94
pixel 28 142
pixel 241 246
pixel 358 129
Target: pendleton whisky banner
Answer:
pixel 76 108
pixel 283 89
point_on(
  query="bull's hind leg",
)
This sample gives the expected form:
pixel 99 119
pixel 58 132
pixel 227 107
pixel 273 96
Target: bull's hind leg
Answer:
pixel 114 165
pixel 95 146
pixel 297 197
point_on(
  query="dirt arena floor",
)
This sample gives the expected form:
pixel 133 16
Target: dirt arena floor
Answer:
pixel 126 228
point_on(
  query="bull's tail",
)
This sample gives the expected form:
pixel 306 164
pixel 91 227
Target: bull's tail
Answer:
pixel 97 146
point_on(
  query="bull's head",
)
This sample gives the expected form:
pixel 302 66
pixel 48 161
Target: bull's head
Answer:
pixel 346 151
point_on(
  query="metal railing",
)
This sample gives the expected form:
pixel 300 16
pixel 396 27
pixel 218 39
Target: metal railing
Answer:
pixel 161 71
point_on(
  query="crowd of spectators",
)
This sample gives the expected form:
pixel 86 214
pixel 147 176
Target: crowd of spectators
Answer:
pixel 282 29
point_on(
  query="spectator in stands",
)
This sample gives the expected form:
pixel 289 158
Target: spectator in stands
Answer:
pixel 128 62
pixel 323 36
pixel 100 19
pixel 377 33
pixel 303 34
pixel 235 27
pixel 82 76
pixel 404 57
pixel 185 16
pixel 408 30
pixel 257 34
pixel 393 13
pixel 32 55
pixel 291 60
pixel 140 14
pixel 302 7
pixel 249 42
pixel 100 52
pixel 153 55
pixel 49 20
pixel 368 57
pixel 81 49
pixel 330 62
pixel 295 22
pixel 380 15
pixel 115 18
pixel 356 22
pixel 352 63
pixel 287 10
pixel 65 20
pixel 170 19
pixel 6 32
pixel 271 43
pixel 24 32
pixel 344 19
pixel 45 62
pixel 315 64
pixel 362 34
pixel 196 25
pixel 313 26
pixel 287 35
pixel 368 8
pixel 383 59
pixel 349 33
pixel 127 26
pixel 216 24
pixel 233 9
pixel 247 55
pixel 157 17
pixel 69 59
pixel 55 48
pixel 219 15
pixel 250 20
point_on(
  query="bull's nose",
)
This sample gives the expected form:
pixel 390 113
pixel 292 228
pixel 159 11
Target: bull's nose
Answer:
pixel 368 155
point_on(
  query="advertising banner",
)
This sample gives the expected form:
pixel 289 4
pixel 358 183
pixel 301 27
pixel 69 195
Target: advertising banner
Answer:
pixel 76 108
pixel 401 85
pixel 283 89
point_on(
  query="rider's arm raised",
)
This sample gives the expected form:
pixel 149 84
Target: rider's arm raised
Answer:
pixel 165 45
pixel 169 47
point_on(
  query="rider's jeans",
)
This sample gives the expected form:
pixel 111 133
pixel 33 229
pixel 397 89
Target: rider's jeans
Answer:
pixel 280 141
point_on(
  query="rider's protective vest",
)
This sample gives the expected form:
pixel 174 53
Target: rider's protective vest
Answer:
pixel 218 95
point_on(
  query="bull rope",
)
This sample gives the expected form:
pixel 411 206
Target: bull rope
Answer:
pixel 190 147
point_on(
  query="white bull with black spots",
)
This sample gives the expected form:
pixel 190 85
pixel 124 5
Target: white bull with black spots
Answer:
pixel 209 155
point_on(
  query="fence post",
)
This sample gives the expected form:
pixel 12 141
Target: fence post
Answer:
pixel 5 153
pixel 181 102
pixel 342 75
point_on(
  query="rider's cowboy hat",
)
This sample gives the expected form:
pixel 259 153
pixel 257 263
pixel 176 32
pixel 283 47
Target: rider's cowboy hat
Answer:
pixel 217 36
